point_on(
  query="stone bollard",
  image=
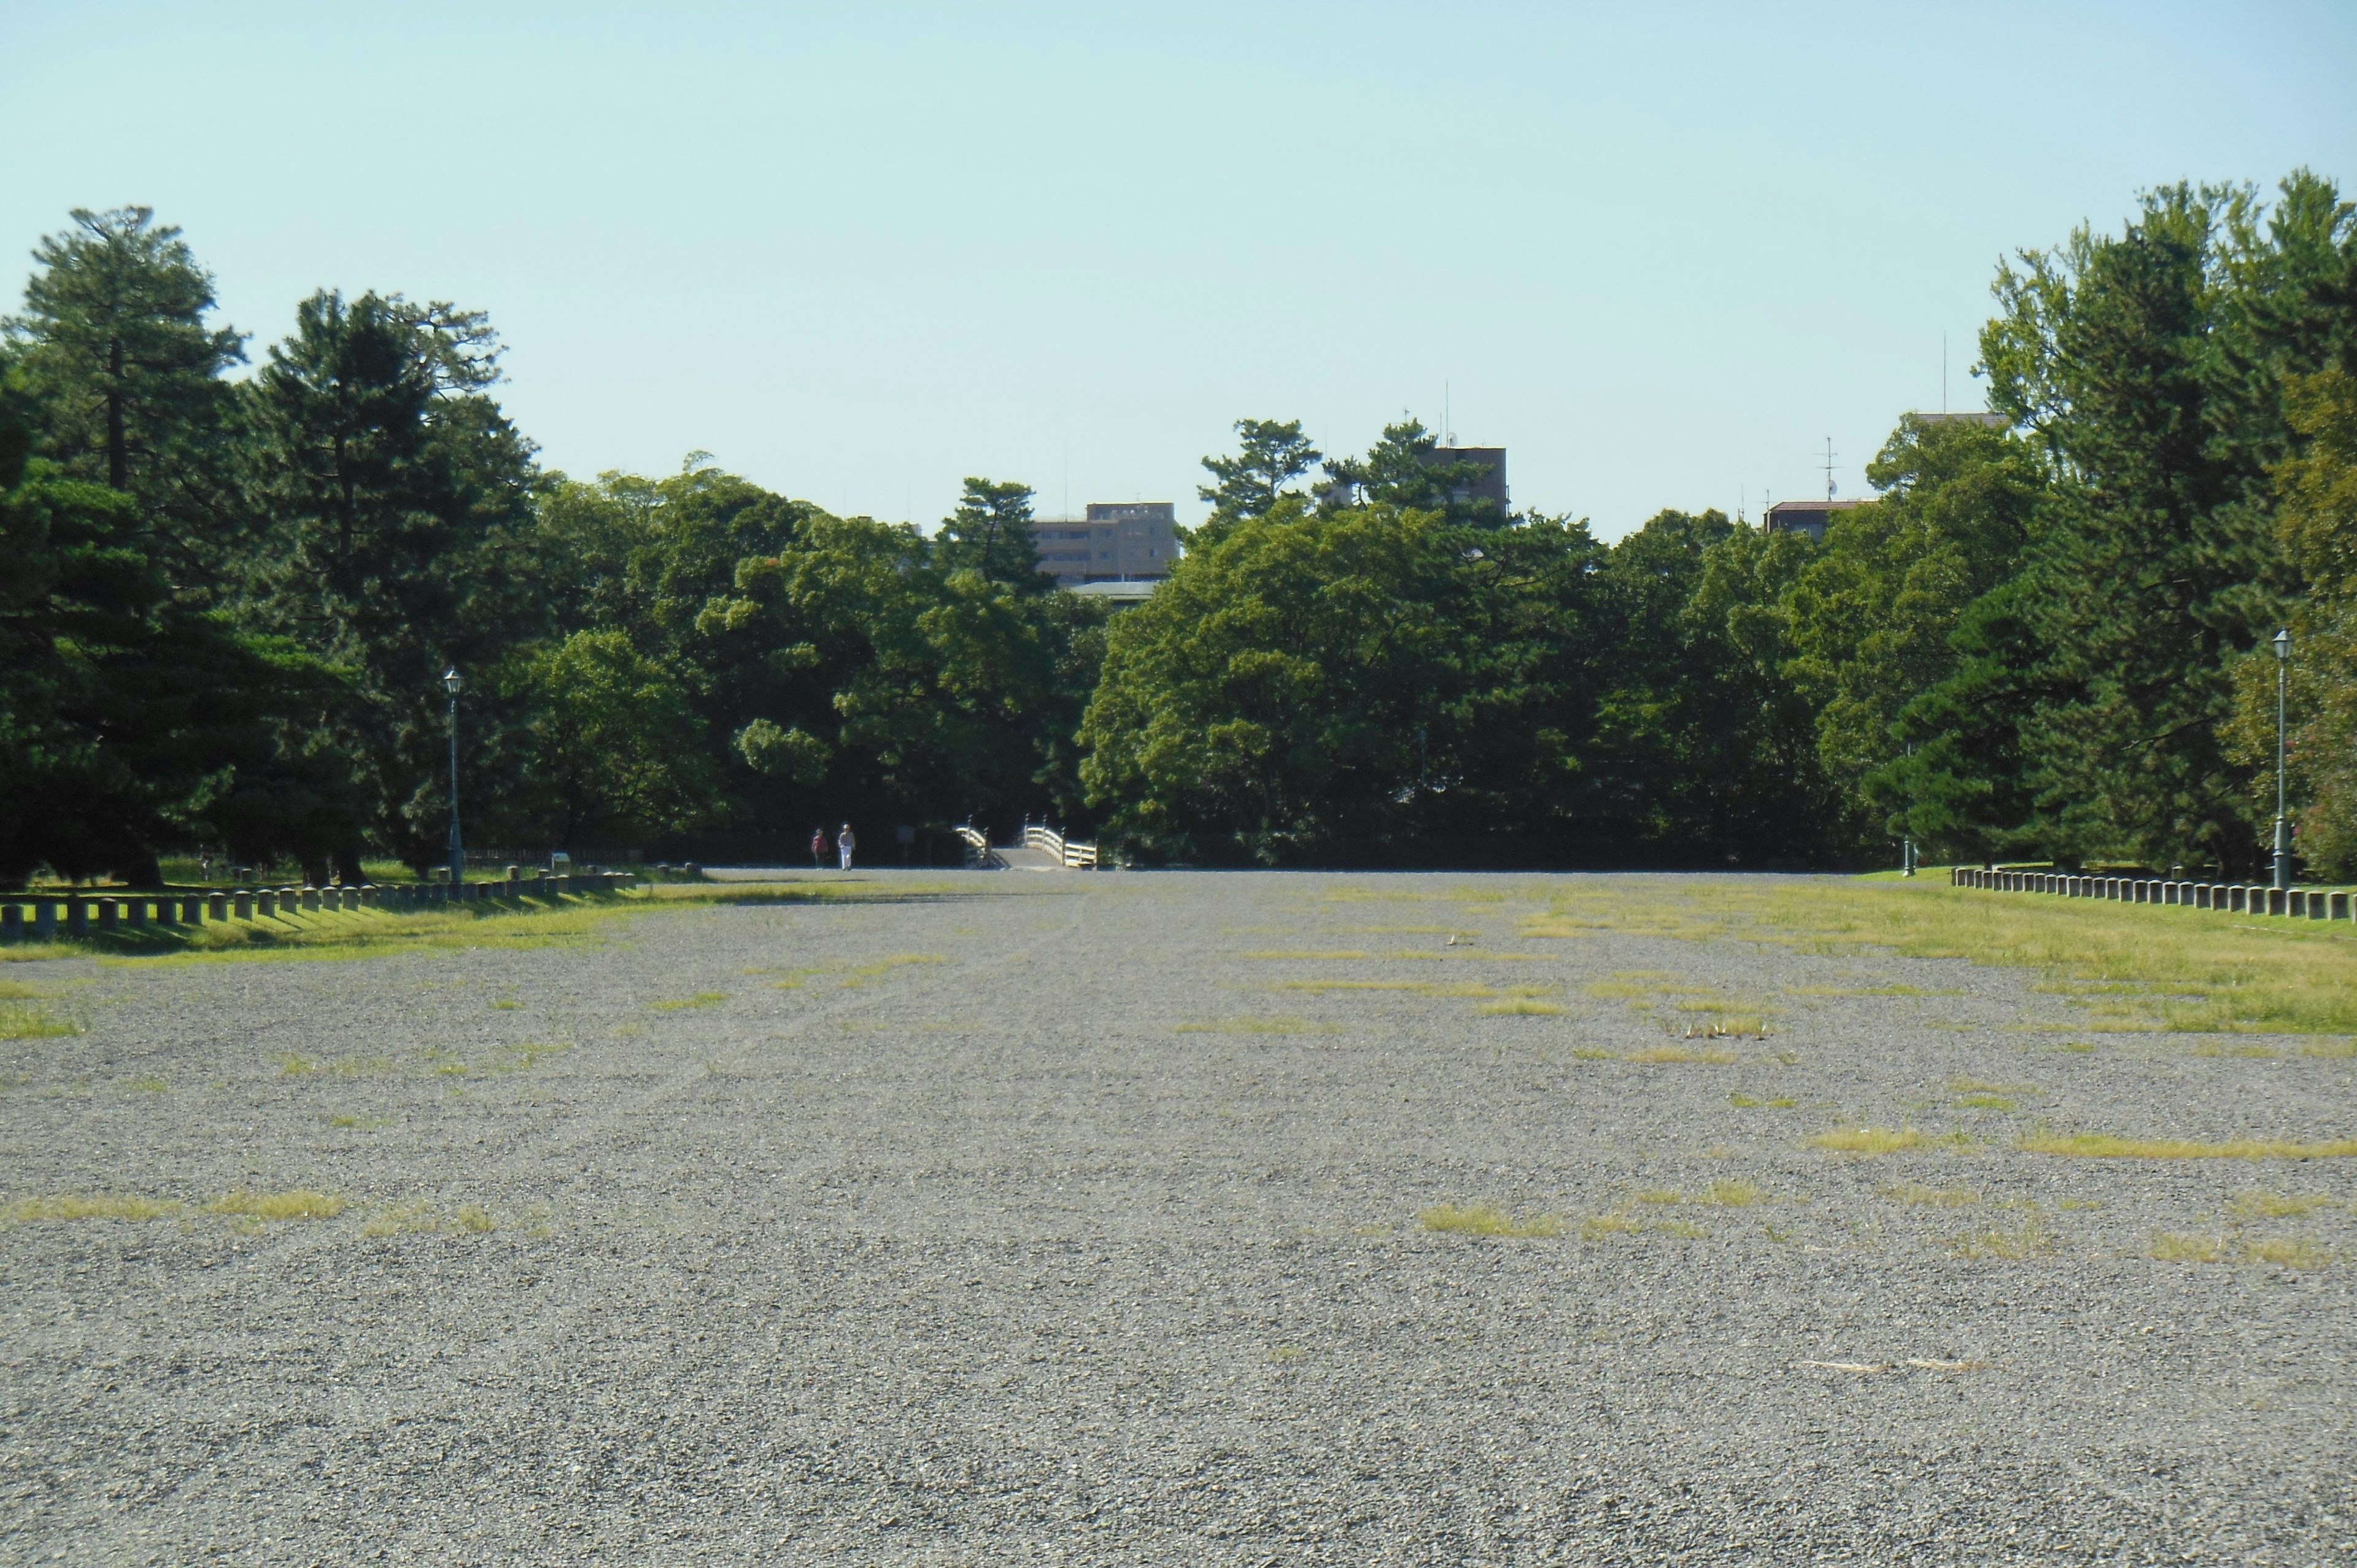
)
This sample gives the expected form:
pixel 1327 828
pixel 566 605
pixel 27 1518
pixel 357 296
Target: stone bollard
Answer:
pixel 2201 895
pixel 309 900
pixel 110 915
pixel 134 912
pixel 2337 906
pixel 12 923
pixel 2319 904
pixel 242 902
pixel 45 919
pixel 266 904
pixel 2278 900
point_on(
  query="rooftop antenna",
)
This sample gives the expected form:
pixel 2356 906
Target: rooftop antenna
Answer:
pixel 1829 469
pixel 1447 436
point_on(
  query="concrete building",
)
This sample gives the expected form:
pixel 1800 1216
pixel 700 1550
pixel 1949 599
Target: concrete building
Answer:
pixel 1804 517
pixel 1116 542
pixel 1489 486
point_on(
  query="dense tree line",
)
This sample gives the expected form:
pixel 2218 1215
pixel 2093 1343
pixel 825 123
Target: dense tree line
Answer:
pixel 227 597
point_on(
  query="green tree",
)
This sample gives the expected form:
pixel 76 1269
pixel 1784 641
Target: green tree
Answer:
pixel 990 533
pixel 617 753
pixel 1406 469
pixel 1706 748
pixel 1272 455
pixel 117 352
pixel 2317 529
pixel 130 719
pixel 1351 683
pixel 2151 365
pixel 1874 615
pixel 400 525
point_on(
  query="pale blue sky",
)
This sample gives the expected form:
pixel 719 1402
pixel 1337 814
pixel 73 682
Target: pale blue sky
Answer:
pixel 858 251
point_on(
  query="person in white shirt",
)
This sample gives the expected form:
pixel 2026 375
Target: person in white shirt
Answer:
pixel 845 843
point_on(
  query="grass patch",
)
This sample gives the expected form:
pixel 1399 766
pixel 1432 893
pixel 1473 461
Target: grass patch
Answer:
pixel 296 1203
pixel 1279 1025
pixel 1871 1141
pixel 2030 1239
pixel 2284 1252
pixel 21 1020
pixel 678 1003
pixel 2104 1146
pixel 1482 1219
pixel 149 1085
pixel 1922 1196
pixel 1412 987
pixel 1666 1056
pixel 1988 1102
pixel 2164 967
pixel 2181 1247
pixel 1293 954
pixel 1750 1102
pixel 2288 1252
pixel 72 1207
pixel 2275 1205
pixel 358 1123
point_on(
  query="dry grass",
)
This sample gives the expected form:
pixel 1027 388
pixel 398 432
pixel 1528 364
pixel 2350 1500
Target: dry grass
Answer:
pixel 2274 1205
pixel 296 1203
pixel 1667 1056
pixel 2031 1238
pixel 2104 1146
pixel 1520 1007
pixel 1724 1193
pixel 1254 1025
pixel 1922 1197
pixel 2285 1252
pixel 1750 1103
pixel 1882 1140
pixel 679 1003
pixel 73 1206
pixel 1299 954
pixel 1482 1220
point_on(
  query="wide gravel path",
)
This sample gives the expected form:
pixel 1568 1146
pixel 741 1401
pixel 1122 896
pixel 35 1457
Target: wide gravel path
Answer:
pixel 1051 1218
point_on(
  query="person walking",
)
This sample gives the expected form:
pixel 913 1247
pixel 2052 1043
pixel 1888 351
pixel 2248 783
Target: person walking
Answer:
pixel 845 843
pixel 818 849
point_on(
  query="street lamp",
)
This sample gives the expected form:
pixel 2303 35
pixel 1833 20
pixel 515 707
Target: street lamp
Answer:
pixel 2283 824
pixel 452 685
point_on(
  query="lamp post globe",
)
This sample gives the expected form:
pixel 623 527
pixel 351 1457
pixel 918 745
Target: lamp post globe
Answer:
pixel 453 683
pixel 2283 822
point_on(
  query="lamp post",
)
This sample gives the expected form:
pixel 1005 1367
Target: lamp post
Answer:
pixel 2283 823
pixel 452 685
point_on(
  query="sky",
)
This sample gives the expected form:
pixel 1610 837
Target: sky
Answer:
pixel 1662 254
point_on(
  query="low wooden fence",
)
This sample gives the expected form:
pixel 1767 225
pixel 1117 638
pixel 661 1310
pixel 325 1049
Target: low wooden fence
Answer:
pixel 2241 899
pixel 73 916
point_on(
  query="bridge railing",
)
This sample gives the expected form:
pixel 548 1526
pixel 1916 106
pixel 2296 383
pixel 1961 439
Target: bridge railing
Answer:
pixel 1071 854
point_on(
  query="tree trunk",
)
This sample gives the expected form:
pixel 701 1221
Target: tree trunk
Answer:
pixel 348 866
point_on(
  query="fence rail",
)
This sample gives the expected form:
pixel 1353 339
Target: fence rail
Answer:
pixel 48 917
pixel 2240 899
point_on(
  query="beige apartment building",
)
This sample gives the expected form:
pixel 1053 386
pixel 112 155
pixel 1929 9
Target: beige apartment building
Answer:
pixel 1116 542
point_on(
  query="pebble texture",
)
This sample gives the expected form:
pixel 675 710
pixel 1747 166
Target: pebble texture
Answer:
pixel 1060 1219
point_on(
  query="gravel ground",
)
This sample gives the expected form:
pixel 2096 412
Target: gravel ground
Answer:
pixel 1016 1218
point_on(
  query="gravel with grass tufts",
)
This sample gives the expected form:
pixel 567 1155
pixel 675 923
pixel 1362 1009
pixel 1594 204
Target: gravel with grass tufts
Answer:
pixel 1162 1218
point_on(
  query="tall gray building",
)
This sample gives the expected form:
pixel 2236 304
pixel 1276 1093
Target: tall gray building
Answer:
pixel 1116 542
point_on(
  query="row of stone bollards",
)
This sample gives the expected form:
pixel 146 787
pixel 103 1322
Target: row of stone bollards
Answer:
pixel 74 917
pixel 2240 899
